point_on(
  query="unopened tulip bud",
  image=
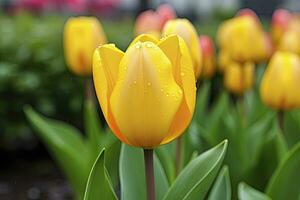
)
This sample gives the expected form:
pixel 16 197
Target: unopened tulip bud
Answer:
pixel 208 56
pixel 279 87
pixel 185 29
pixel 81 37
pixel 239 78
pixel 166 13
pixel 280 23
pixel 148 22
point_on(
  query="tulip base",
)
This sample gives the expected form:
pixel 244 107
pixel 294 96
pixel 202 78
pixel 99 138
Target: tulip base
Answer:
pixel 149 172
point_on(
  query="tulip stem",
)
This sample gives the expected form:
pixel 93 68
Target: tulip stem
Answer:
pixel 88 89
pixel 149 172
pixel 280 118
pixel 178 154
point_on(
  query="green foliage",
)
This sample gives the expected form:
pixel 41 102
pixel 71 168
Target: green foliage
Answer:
pixel 98 184
pixel 132 175
pixel 222 186
pixel 285 182
pixel 196 178
pixel 32 71
pixel 74 153
pixel 248 193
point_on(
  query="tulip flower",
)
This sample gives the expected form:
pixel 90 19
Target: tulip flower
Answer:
pixel 146 94
pixel 224 60
pixel 81 37
pixel 239 78
pixel 242 37
pixel 208 55
pixel 280 23
pixel 148 22
pixel 279 87
pixel 290 41
pixel 166 13
pixel 185 29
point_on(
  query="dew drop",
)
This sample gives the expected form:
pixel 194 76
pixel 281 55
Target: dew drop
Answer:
pixel 134 82
pixel 180 92
pixel 149 45
pixel 162 89
pixel 167 94
pixel 182 73
pixel 149 84
pixel 137 46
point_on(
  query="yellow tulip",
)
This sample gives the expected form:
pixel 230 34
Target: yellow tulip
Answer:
pixel 290 41
pixel 81 37
pixel 224 60
pixel 242 37
pixel 279 88
pixel 185 29
pixel 239 78
pixel 146 94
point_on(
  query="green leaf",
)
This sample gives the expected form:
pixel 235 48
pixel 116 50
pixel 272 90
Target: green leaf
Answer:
pixel 202 101
pixel 285 182
pixel 245 192
pixel 66 145
pixel 132 175
pixel 112 161
pixel 98 184
pixel 92 128
pixel 222 187
pixel 197 177
pixel 214 118
pixel 167 162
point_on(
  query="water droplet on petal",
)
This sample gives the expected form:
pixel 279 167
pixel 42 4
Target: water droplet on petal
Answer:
pixel 134 82
pixel 149 84
pixel 138 46
pixel 149 45
pixel 182 73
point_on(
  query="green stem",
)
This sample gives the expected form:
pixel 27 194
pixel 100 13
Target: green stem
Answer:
pixel 178 154
pixel 149 172
pixel 280 118
pixel 88 89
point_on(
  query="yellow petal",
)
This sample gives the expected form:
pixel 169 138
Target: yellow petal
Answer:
pixel 105 70
pixel 81 37
pixel 233 78
pixel 186 30
pixel 144 38
pixel 146 96
pixel 176 50
pixel 280 84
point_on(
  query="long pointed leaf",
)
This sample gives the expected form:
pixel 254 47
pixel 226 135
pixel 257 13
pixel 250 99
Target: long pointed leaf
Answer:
pixel 98 184
pixel 197 177
pixel 222 187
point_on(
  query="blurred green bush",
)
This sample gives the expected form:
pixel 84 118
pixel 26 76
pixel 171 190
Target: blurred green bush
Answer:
pixel 33 71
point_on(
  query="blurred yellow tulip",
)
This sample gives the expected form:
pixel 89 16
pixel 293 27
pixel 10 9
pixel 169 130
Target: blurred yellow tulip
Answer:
pixel 279 87
pixel 146 94
pixel 208 56
pixel 224 60
pixel 242 37
pixel 185 29
pixel 290 41
pixel 239 78
pixel 81 37
pixel 280 23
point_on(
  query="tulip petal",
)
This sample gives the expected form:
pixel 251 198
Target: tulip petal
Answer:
pixel 144 38
pixel 146 96
pixel 176 50
pixel 185 29
pixel 105 70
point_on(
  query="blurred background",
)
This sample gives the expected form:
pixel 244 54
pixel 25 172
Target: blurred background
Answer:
pixel 33 71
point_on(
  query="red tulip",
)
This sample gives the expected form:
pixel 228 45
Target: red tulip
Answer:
pixel 280 23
